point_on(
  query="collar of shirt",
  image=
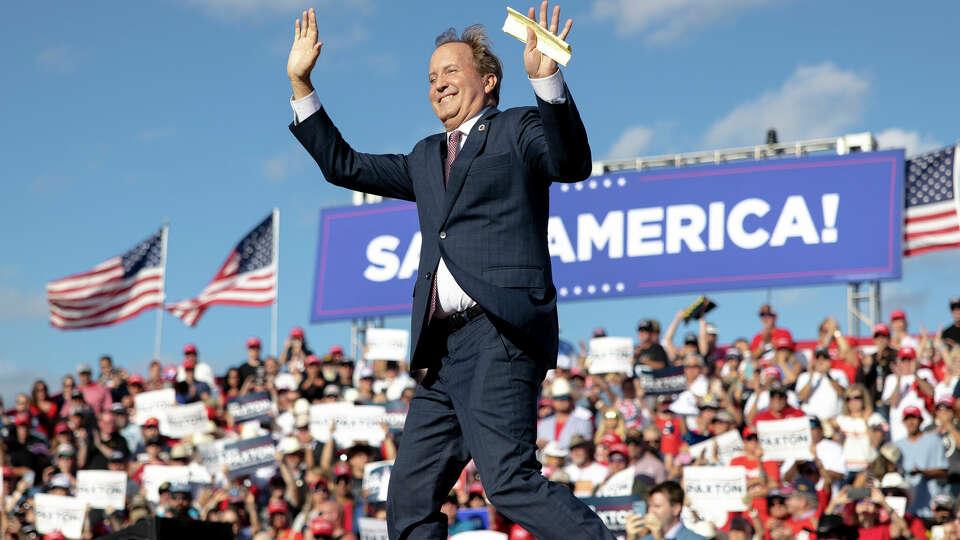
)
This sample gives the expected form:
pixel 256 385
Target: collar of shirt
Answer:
pixel 466 127
pixel 672 533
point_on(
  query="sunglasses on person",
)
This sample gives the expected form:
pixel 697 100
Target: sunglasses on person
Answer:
pixel 853 397
pixel 776 501
pixel 617 458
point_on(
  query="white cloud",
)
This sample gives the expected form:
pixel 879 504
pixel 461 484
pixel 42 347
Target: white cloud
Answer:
pixel 913 142
pixel 815 101
pixel 59 59
pixel 232 9
pixel 664 21
pixel 279 166
pixel 631 143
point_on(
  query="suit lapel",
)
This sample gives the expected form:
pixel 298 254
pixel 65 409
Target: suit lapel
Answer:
pixel 476 140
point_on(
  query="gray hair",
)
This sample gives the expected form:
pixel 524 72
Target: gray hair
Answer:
pixel 484 60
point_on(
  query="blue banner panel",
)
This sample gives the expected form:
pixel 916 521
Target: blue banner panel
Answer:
pixel 771 223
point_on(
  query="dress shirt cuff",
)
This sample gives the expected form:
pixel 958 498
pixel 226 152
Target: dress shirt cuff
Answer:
pixel 549 89
pixel 305 106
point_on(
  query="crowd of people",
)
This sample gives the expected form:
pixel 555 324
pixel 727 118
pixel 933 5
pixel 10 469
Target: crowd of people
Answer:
pixel 882 413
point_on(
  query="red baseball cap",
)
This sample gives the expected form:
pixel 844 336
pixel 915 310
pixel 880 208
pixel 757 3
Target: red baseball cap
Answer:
pixel 898 314
pixel 189 363
pixel 342 469
pixel 62 427
pixel 912 411
pixel 611 439
pixel 8 472
pixel 783 342
pixel 336 349
pixel 619 448
pixel 475 487
pixel 253 342
pixel 135 379
pixel 946 401
pixel 772 372
pixel 55 535
pixel 519 533
pixel 312 360
pixel 881 329
pixel 189 348
pixel 297 332
pixel 277 506
pixel 907 352
pixel 21 419
pixel 152 422
pixel 320 526
pixel 748 431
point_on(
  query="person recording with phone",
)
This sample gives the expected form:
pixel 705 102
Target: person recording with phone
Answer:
pixel 662 518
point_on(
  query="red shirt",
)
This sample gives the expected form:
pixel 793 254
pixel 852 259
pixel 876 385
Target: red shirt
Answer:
pixel 807 525
pixel 788 412
pixel 847 368
pixel 752 466
pixel 669 435
pixel 774 334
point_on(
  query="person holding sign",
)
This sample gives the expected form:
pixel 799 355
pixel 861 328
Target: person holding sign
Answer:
pixel 484 319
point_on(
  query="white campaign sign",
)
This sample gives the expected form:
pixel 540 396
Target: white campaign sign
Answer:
pixel 716 488
pixel 372 529
pixel 354 422
pixel 376 479
pixel 729 445
pixel 611 355
pixel 59 513
pixel 154 475
pixel 154 404
pixel 386 344
pixel 184 420
pixel 786 439
pixel 618 485
pixel 102 489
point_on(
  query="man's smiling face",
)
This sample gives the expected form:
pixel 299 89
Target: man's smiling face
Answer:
pixel 457 91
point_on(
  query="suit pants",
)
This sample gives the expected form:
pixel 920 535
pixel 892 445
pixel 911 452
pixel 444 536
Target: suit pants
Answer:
pixel 480 402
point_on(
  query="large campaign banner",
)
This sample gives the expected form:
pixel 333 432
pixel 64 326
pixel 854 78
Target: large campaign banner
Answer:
pixel 245 456
pixel 776 222
pixel 256 406
pixel 613 511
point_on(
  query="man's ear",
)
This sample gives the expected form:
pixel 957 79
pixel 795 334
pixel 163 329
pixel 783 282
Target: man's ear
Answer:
pixel 489 83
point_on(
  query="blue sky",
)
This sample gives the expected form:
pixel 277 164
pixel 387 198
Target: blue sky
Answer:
pixel 119 116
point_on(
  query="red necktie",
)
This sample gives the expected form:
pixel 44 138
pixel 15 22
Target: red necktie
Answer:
pixel 453 148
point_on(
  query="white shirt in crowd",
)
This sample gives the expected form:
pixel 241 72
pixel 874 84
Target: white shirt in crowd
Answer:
pixel 595 473
pixel 823 402
pixel 762 399
pixel 450 295
pixel 908 397
pixel 857 450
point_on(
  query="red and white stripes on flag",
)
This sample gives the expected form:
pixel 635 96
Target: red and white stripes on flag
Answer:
pixel 113 291
pixel 932 200
pixel 247 278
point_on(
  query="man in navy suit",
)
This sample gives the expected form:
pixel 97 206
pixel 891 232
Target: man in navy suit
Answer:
pixel 484 318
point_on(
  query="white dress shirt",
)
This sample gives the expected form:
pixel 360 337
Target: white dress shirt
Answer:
pixel 451 297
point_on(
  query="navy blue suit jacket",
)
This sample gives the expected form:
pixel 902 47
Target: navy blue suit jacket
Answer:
pixel 489 223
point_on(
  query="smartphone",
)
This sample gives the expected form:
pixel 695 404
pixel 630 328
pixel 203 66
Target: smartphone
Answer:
pixel 640 508
pixel 856 494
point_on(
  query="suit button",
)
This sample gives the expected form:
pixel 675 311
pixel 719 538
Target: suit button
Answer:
pixel 426 276
pixel 443 235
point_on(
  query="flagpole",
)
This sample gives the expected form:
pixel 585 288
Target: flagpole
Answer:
pixel 276 300
pixel 158 333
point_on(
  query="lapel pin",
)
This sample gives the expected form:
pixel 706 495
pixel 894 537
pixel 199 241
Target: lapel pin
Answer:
pixel 482 127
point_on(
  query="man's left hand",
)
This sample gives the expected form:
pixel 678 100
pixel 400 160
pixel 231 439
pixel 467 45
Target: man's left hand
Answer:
pixel 537 64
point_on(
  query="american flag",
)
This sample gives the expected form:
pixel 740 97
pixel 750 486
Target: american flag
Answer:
pixel 247 278
pixel 932 220
pixel 114 291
